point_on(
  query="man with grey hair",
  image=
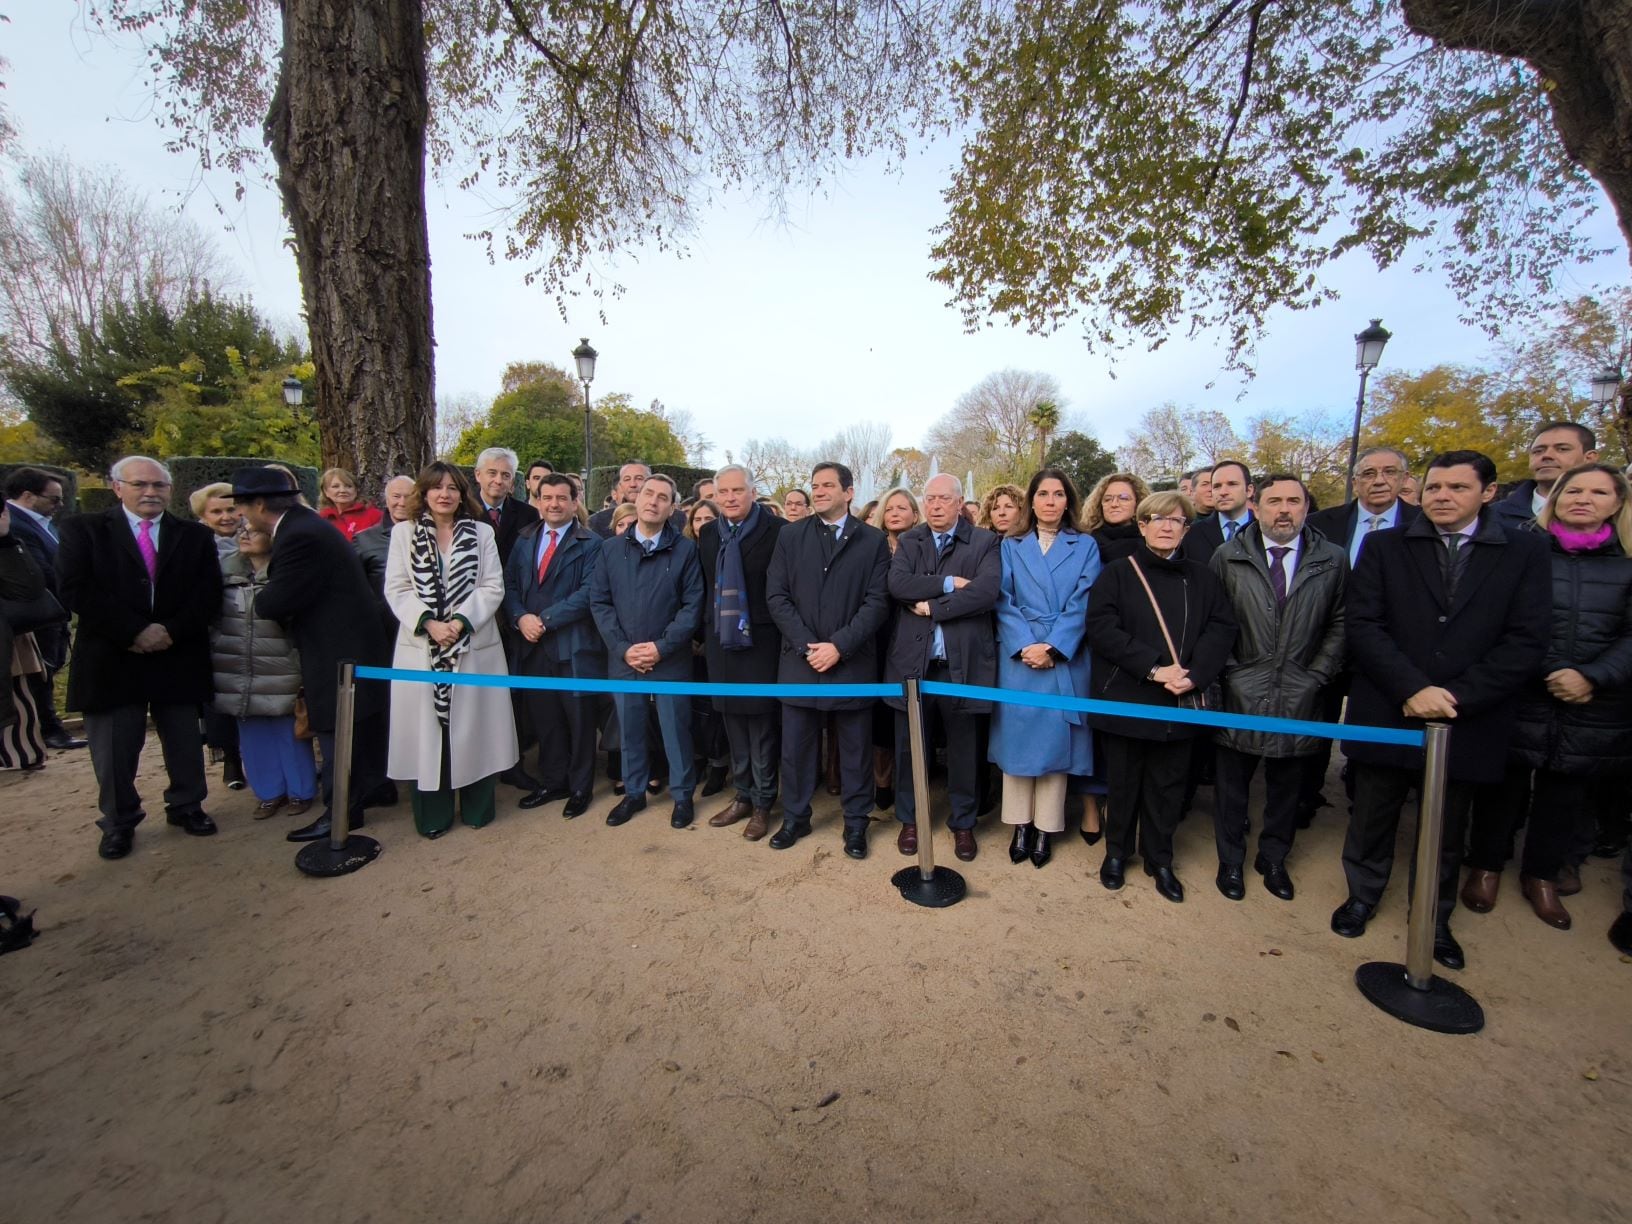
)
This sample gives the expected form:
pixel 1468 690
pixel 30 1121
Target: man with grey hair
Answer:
pixel 496 479
pixel 742 642
pixel 146 586
pixel 630 477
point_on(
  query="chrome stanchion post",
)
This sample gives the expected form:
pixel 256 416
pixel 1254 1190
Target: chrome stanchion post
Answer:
pixel 345 851
pixel 1411 992
pixel 925 884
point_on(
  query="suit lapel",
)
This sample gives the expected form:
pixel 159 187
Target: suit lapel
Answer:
pixel 124 539
pixel 1425 551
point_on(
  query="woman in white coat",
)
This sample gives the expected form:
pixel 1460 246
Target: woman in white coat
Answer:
pixel 445 584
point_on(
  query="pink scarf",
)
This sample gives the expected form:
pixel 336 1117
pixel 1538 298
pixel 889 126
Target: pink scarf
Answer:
pixel 1580 541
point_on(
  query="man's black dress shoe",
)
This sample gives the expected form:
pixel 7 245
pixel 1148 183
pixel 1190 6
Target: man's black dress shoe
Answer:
pixel 197 824
pixel 1112 873
pixel 626 809
pixel 682 816
pixel 1349 919
pixel 1620 934
pixel 320 828
pixel 787 835
pixel 1020 847
pixel 1275 878
pixel 1041 850
pixel 1166 882
pixel 714 780
pixel 1447 951
pixel 61 739
pixel 855 843
pixel 115 843
pixel 541 796
pixel 1230 881
pixel 576 806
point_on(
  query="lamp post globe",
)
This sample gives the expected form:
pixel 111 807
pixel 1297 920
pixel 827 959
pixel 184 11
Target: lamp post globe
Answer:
pixel 1368 351
pixel 294 392
pixel 584 355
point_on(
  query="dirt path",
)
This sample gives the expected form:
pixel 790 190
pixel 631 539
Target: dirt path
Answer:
pixel 552 1020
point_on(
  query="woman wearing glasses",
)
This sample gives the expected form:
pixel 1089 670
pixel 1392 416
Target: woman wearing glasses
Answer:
pixel 1161 629
pixel 1108 514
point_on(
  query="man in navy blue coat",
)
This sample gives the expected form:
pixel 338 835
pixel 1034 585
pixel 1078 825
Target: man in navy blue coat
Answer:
pixel 546 598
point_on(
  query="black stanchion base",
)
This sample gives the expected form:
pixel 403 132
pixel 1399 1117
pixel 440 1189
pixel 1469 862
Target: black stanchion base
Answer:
pixel 945 887
pixel 1443 1008
pixel 321 859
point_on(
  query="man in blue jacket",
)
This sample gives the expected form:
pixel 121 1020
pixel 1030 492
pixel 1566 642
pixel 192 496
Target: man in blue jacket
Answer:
pixel 647 599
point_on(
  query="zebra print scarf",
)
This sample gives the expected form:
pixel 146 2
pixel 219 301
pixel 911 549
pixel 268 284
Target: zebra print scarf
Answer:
pixel 444 593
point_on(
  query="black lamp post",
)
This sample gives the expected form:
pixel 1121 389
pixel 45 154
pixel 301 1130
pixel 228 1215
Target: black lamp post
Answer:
pixel 1368 351
pixel 294 392
pixel 585 356
pixel 1606 385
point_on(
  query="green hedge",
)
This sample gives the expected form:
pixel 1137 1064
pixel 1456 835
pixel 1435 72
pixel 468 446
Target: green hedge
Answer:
pixel 189 472
pixel 603 479
pixel 70 482
pixel 93 501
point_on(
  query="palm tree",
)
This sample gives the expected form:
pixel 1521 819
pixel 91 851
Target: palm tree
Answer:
pixel 1045 417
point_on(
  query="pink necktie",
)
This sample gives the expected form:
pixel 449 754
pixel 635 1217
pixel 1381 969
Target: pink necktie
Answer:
pixel 150 555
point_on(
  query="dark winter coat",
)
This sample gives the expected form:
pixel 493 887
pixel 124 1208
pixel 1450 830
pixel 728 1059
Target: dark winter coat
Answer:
pixel 1284 655
pixel 1118 540
pixel 758 664
pixel 20 579
pixel 561 601
pixel 1485 645
pixel 965 616
pixel 819 591
pixel 1518 507
pixel 102 578
pixel 1592 632
pixel 257 669
pixel 1126 639
pixel 656 597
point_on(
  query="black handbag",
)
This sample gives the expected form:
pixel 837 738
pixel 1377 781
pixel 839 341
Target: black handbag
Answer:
pixel 44 611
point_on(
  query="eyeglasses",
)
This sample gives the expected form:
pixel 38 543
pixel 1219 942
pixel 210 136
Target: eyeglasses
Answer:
pixel 1178 524
pixel 1373 473
pixel 147 486
pixel 1117 497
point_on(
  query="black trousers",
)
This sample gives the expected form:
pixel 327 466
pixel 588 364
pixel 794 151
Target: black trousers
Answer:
pixel 802 762
pixel 962 730
pixel 45 701
pixel 116 737
pixel 1557 811
pixel 756 749
pixel 1283 786
pixel 1147 781
pixel 564 724
pixel 370 736
pixel 1368 848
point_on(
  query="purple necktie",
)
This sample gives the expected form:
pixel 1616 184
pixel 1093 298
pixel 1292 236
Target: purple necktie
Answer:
pixel 150 555
pixel 1277 572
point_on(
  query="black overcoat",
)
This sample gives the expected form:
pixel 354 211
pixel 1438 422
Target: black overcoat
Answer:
pixel 316 589
pixel 101 577
pixel 758 664
pixel 1484 645
pixel 821 591
pixel 1337 523
pixel 965 616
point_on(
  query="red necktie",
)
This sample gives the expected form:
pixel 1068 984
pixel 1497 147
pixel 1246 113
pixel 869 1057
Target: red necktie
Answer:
pixel 493 515
pixel 544 561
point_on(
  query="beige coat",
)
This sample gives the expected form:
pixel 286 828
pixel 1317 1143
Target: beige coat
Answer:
pixel 481 727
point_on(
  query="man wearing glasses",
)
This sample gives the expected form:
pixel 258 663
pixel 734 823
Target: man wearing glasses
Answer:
pixel 146 586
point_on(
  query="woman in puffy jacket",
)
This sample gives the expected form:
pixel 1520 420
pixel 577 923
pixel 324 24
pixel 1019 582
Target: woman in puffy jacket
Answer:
pixel 257 678
pixel 1575 722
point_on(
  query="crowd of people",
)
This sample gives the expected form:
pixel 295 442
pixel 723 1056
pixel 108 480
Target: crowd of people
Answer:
pixel 1509 618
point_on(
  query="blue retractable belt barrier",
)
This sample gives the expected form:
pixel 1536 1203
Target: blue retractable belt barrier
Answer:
pixel 1041 701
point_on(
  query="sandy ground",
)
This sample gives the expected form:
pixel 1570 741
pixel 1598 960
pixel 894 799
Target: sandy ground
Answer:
pixel 553 1020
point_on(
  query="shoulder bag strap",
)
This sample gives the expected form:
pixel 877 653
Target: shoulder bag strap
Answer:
pixel 1161 621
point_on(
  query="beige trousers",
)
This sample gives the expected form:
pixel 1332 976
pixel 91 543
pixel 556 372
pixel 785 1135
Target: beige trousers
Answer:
pixel 1035 801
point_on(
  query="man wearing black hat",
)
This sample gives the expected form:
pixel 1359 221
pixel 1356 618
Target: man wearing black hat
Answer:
pixel 317 589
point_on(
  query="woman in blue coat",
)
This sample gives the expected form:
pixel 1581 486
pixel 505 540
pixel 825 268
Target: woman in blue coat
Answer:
pixel 1048 566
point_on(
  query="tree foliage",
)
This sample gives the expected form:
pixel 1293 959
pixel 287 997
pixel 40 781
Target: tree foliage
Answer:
pixel 1167 166
pixel 991 430
pixel 1082 457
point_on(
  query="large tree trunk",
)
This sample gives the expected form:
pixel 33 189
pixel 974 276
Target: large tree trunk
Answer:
pixel 347 130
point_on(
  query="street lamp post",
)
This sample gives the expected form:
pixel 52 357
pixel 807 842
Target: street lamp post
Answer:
pixel 1368 351
pixel 294 392
pixel 585 356
pixel 1606 388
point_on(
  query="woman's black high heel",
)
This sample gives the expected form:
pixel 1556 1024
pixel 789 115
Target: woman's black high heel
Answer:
pixel 1040 849
pixel 1020 847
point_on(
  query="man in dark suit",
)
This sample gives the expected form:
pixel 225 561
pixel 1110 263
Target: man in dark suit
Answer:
pixel 1447 620
pixel 546 597
pixel 315 587
pixel 496 479
pixel 944 583
pixel 630 477
pixel 1555 448
pixel 742 643
pixel 146 586
pixel 828 591
pixel 1232 490
pixel 374 545
pixel 36 499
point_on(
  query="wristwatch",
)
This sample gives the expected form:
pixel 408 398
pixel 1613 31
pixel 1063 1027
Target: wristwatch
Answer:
pixel 1151 675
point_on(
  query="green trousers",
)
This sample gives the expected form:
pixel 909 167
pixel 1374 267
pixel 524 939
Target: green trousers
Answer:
pixel 433 810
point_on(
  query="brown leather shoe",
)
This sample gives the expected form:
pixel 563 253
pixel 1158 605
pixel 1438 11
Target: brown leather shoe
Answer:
pixel 1543 898
pixel 759 823
pixel 737 809
pixel 906 841
pixel 1569 881
pixel 1479 892
pixel 963 844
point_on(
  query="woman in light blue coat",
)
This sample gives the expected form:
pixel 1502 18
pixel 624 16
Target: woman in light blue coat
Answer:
pixel 1048 566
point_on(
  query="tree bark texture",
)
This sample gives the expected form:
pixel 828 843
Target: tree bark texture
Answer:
pixel 347 131
pixel 1583 51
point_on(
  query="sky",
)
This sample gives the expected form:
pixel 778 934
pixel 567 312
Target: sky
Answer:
pixel 793 327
